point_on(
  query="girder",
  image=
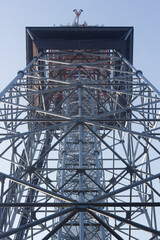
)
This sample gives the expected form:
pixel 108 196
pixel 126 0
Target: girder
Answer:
pixel 79 149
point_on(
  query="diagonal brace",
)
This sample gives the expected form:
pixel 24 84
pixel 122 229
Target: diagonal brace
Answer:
pixel 37 188
pixel 105 225
pixel 124 220
pixel 32 224
pixel 61 224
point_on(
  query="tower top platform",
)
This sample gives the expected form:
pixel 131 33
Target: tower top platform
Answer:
pixel 90 37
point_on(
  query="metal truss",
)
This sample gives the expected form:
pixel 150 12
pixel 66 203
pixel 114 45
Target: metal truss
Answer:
pixel 80 150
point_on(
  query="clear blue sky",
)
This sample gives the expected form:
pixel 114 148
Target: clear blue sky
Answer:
pixel 143 15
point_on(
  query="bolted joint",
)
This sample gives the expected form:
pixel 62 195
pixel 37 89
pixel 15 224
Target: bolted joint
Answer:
pixel 128 214
pixel 80 170
pixel 121 58
pixel 21 72
pixel 80 141
pixel 2 178
pixel 145 150
pixel 80 191
pixel 79 85
pixel 112 180
pixel 79 66
pixel 48 180
pixel 96 152
pixel 31 169
pixel 82 208
pixel 130 169
pixel 80 120
pixel 138 72
pixel 14 150
pixel 35 58
pixel 33 215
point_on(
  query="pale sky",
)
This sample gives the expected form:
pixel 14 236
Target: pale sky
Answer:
pixel 143 15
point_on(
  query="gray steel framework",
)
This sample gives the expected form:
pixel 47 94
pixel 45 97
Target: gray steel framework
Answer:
pixel 80 149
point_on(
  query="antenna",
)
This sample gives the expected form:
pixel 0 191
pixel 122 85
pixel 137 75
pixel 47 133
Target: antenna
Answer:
pixel 76 20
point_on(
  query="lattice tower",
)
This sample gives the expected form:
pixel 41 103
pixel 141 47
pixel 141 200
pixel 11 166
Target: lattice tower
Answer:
pixel 79 146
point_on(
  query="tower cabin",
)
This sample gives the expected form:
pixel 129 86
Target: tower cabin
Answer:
pixel 90 51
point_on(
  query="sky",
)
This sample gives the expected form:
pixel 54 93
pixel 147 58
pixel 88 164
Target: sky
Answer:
pixel 143 15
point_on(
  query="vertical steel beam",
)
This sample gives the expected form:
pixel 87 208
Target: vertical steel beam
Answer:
pixel 81 177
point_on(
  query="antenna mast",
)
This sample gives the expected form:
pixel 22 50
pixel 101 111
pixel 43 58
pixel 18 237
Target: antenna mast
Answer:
pixel 76 20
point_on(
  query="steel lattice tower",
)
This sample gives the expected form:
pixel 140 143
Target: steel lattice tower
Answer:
pixel 79 140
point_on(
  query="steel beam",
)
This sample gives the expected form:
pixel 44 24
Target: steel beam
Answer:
pixel 60 225
pixel 130 222
pixel 113 233
pixel 37 188
pixel 36 222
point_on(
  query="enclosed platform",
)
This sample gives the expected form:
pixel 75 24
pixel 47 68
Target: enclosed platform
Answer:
pixel 78 38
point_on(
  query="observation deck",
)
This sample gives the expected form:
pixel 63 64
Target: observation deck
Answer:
pixel 60 38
